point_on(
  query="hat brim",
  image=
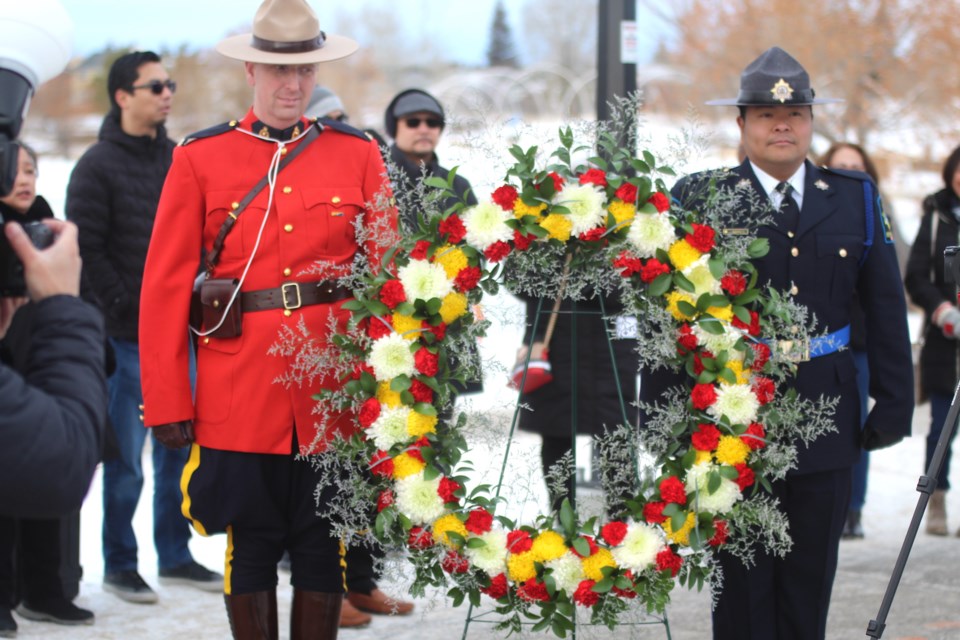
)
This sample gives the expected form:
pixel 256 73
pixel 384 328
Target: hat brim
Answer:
pixel 736 102
pixel 239 48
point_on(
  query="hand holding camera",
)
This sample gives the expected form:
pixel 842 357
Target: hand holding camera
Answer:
pixel 50 271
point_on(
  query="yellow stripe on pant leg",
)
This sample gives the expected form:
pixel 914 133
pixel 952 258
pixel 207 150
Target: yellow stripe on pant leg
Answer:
pixel 193 463
pixel 228 562
pixel 343 563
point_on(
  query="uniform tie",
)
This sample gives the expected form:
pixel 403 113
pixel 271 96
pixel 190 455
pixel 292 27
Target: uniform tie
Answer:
pixel 789 209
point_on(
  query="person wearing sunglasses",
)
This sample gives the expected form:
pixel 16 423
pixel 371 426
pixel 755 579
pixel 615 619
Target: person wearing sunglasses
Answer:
pixel 112 196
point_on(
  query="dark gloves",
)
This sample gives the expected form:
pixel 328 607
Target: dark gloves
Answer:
pixel 871 439
pixel 174 435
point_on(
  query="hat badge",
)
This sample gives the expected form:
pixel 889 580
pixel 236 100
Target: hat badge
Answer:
pixel 782 91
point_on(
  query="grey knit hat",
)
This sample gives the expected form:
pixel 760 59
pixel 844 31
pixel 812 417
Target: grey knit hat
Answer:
pixel 322 102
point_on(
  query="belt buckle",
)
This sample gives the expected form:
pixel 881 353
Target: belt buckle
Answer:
pixel 295 287
pixel 795 350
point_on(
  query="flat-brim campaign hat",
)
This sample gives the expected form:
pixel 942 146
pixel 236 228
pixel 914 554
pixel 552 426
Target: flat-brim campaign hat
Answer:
pixel 286 32
pixel 775 78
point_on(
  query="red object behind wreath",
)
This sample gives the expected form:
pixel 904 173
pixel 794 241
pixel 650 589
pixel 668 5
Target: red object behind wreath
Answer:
pixel 538 371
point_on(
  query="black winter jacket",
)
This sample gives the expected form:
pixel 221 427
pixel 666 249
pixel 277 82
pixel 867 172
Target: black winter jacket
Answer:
pixel 52 417
pixel 411 173
pixel 112 197
pixel 928 288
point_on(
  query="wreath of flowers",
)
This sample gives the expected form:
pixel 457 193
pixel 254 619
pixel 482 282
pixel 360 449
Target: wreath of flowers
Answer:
pixel 717 438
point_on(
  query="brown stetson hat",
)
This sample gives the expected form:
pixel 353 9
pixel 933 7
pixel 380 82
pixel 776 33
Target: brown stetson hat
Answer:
pixel 286 32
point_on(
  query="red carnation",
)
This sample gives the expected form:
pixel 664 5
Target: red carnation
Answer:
pixel 392 293
pixel 720 536
pixel 557 181
pixel 497 251
pixel 754 436
pixel 421 392
pixel 626 594
pixel 764 389
pixel 498 587
pixel 627 192
pixel 593 235
pixel 505 196
pixel 753 328
pixel 369 412
pixel 533 591
pixel 761 355
pixel 414 450
pixel 467 279
pixel 419 538
pixel 453 228
pixel 420 249
pixel 702 238
pixel 703 396
pixel 667 559
pixel 522 241
pixel 479 521
pixel 585 595
pixel 613 532
pixel 426 363
pixel 733 282
pixel 660 201
pixel 652 270
pixel 628 264
pixel 453 562
pixel 447 489
pixel 746 477
pixel 592 547
pixel 359 369
pixel 706 438
pixel 439 331
pixel 384 500
pixel 687 338
pixel 653 512
pixel 518 541
pixel 672 490
pixel 379 327
pixel 381 464
pixel 594 176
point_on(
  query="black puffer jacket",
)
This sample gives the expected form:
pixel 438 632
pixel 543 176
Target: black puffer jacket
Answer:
pixel 939 361
pixel 407 180
pixel 112 196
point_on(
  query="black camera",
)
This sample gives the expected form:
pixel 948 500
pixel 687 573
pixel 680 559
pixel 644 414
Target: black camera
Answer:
pixel 12 283
pixel 951 265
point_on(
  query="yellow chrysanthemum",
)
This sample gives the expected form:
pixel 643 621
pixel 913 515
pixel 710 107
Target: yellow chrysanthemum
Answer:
pixel 452 259
pixel 454 305
pixel 736 366
pixel 419 425
pixel 407 326
pixel 520 209
pixel 622 211
pixel 386 396
pixel 520 566
pixel 405 465
pixel 682 255
pixel 682 535
pixel 445 524
pixel 673 298
pixel 721 313
pixel 703 456
pixel 732 451
pixel 593 565
pixel 558 226
pixel 547 546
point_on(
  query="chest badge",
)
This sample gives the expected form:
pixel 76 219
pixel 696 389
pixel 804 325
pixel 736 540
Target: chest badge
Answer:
pixel 820 184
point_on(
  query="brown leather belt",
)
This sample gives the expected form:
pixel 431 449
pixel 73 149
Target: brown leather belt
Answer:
pixel 293 295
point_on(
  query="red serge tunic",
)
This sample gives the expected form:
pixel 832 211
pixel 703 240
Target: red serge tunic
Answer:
pixel 240 403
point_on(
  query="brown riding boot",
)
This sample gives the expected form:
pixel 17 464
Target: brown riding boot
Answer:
pixel 315 615
pixel 937 513
pixel 351 617
pixel 253 616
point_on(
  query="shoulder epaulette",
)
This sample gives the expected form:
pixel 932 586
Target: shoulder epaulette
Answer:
pixel 209 132
pixel 329 123
pixel 847 173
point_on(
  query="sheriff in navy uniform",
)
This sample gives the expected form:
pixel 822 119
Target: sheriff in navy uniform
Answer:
pixel 243 475
pixel 828 241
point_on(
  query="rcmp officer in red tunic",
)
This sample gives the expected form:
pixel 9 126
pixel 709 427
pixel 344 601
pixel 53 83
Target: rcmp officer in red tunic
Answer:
pixel 246 426
pixel 828 241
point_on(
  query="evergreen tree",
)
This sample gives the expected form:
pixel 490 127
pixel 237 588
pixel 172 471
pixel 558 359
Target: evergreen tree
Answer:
pixel 502 52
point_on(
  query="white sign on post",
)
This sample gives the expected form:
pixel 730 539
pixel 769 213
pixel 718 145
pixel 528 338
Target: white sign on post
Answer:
pixel 628 42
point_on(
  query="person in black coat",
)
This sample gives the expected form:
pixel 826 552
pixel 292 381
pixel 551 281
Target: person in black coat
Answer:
pixel 828 241
pixel 930 288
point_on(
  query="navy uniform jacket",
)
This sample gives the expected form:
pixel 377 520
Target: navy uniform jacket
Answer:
pixel 826 271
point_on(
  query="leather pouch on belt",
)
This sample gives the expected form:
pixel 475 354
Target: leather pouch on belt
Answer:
pixel 215 294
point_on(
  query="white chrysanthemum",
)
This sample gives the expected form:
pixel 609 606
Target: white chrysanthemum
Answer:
pixel 720 501
pixel 736 401
pixel 424 280
pixel 718 343
pixel 390 427
pixel 390 357
pixel 491 557
pixel 486 223
pixel 585 203
pixel 639 548
pixel 567 572
pixel 698 273
pixel 418 499
pixel 649 232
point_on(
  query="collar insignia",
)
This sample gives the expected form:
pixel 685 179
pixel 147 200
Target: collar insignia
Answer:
pixel 744 183
pixel 782 91
pixel 820 184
